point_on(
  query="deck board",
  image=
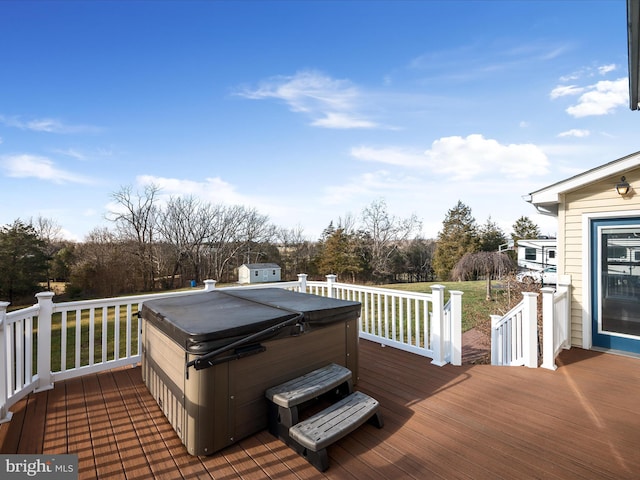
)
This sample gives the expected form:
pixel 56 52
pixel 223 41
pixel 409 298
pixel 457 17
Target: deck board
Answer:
pixel 470 422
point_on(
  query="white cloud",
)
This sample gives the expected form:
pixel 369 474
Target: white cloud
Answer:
pixel 70 152
pixel 463 158
pixel 604 69
pixel 342 120
pixel 390 155
pixel 601 98
pixel 564 90
pixel 331 103
pixel 49 125
pixel 589 72
pixel 33 166
pixel 474 156
pixel 370 185
pixel 214 190
pixel 574 132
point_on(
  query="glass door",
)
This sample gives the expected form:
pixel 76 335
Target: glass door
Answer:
pixel 616 284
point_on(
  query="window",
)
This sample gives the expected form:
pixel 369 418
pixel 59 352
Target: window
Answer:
pixel 615 252
pixel 530 253
pixel 552 254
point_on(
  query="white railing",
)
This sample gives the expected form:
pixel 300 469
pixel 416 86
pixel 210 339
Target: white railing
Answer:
pixel 514 336
pixel 16 372
pixel 49 341
pixel 414 322
pixel 556 321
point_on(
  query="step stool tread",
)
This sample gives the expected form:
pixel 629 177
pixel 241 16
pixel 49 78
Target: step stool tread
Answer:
pixel 308 386
pixel 335 422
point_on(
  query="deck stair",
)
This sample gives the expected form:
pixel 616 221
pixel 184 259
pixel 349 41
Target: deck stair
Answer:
pixel 312 436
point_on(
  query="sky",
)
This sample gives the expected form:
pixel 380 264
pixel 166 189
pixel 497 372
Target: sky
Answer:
pixel 308 111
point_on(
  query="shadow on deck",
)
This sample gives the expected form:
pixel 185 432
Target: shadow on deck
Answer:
pixel 471 422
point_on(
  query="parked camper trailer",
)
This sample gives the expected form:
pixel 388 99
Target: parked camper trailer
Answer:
pixel 537 254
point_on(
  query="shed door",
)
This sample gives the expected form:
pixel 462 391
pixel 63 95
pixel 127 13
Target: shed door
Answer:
pixel 615 284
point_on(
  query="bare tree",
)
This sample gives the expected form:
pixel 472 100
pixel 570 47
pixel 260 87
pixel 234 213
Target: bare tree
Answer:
pixel 348 224
pixel 102 266
pixel 135 218
pixel 295 250
pixel 50 232
pixel 487 264
pixel 386 233
pixel 227 239
pixel 256 231
pixel 187 225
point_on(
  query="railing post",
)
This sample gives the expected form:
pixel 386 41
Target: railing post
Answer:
pixel 456 326
pixel 564 286
pixel 45 312
pixel 331 280
pixel 209 285
pixel 530 329
pixel 5 415
pixel 437 325
pixel 302 280
pixel 496 358
pixel 548 329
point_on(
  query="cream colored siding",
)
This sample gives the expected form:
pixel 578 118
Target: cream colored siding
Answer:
pixel 599 197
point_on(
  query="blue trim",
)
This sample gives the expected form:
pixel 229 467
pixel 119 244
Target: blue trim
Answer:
pixel 601 339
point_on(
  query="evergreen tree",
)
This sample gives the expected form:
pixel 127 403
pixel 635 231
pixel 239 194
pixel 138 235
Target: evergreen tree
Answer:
pixel 339 255
pixel 491 237
pixel 23 261
pixel 459 235
pixel 524 228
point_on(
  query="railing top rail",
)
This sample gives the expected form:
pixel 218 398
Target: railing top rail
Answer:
pixel 510 314
pixel 101 302
pixel 133 299
pixel 263 285
pixel 387 291
pixel 17 315
pixel 560 295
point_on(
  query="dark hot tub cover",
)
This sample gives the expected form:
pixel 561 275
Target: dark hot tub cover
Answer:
pixel 202 322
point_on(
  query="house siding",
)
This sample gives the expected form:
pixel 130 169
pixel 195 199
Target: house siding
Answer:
pixel 599 197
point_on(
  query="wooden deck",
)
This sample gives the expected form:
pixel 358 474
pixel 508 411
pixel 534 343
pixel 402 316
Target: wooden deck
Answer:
pixel 471 422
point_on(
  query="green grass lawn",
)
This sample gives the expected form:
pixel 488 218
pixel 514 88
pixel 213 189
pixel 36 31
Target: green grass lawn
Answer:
pixel 476 310
pixel 83 325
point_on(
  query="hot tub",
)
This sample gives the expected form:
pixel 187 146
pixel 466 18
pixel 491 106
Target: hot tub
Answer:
pixel 207 358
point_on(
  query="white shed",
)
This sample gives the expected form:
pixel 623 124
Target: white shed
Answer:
pixel 259 273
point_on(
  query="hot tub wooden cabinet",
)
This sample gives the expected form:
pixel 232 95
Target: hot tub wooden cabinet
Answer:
pixel 208 358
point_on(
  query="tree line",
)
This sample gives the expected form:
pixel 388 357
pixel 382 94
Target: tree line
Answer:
pixel 153 246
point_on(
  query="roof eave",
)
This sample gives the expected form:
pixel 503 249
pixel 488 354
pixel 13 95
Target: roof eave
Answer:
pixel 545 198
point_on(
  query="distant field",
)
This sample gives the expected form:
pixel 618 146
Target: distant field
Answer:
pixel 56 287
